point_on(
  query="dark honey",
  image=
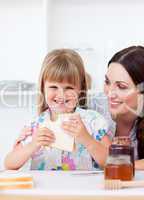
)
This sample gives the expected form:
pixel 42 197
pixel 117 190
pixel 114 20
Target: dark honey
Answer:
pixel 119 163
pixel 126 141
pixel 121 171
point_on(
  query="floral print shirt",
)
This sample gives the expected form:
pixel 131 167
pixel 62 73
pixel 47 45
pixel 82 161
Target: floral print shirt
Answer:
pixel 48 158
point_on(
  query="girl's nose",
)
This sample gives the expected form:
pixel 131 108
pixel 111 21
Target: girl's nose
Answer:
pixel 60 93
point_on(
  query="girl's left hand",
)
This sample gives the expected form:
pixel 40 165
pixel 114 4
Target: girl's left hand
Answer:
pixel 76 128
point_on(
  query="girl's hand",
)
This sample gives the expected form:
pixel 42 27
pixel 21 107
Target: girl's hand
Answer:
pixel 26 131
pixel 43 137
pixel 76 128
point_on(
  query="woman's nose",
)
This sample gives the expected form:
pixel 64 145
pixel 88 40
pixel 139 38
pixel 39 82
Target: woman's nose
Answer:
pixel 112 93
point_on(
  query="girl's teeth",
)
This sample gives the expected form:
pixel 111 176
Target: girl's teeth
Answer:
pixel 61 102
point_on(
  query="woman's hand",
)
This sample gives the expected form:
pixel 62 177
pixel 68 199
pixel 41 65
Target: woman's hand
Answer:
pixel 43 137
pixel 76 128
pixel 139 164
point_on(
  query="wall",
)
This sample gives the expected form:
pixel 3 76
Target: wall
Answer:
pixel 22 39
pixel 22 49
pixel 12 121
pixel 97 29
pixel 16 111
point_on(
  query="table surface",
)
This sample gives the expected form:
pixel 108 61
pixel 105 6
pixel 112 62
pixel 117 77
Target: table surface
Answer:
pixel 70 185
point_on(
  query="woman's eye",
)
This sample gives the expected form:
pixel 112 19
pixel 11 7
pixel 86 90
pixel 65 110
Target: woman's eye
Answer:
pixel 106 81
pixel 122 87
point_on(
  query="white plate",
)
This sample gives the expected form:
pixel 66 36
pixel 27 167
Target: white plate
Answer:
pixel 87 172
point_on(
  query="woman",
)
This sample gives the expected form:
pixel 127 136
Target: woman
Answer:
pixel 124 87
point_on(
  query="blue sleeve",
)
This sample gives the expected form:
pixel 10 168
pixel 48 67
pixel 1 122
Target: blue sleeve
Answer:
pixel 99 127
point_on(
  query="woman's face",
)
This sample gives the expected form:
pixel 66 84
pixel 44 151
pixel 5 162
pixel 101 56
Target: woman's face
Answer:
pixel 121 91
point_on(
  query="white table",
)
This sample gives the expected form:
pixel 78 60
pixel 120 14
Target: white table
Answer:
pixel 60 185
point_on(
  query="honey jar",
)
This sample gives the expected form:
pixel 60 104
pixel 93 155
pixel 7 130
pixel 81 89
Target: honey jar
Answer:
pixel 119 164
pixel 126 141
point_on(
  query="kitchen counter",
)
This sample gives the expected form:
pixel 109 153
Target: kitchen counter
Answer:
pixel 54 185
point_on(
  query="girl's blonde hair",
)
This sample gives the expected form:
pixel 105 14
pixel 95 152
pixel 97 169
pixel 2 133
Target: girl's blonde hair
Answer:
pixel 62 65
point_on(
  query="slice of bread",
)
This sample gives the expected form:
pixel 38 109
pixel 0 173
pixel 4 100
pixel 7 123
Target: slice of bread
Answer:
pixel 15 180
pixel 63 140
pixel 16 185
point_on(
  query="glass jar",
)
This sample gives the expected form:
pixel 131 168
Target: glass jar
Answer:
pixel 119 165
pixel 126 141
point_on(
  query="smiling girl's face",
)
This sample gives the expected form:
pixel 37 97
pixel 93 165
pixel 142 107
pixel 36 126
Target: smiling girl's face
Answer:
pixel 61 97
pixel 121 91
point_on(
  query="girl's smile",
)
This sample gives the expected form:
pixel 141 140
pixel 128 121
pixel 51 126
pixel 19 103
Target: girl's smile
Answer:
pixel 61 97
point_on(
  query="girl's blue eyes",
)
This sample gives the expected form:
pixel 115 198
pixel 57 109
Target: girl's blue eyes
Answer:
pixel 54 87
pixel 66 88
pixel 69 88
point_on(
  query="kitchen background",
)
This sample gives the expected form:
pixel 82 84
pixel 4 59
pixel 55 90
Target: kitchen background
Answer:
pixel 31 28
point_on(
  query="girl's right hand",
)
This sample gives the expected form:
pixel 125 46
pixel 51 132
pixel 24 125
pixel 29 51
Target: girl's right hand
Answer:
pixel 43 137
pixel 26 131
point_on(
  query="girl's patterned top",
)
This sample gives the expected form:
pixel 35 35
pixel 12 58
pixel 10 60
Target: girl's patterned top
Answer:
pixel 79 159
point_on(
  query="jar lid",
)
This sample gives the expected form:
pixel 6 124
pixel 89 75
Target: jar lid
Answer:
pixel 115 149
pixel 121 140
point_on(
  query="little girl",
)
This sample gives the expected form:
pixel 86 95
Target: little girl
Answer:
pixel 62 89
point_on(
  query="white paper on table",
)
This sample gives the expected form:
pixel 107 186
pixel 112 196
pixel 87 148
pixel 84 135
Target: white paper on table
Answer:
pixel 63 140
